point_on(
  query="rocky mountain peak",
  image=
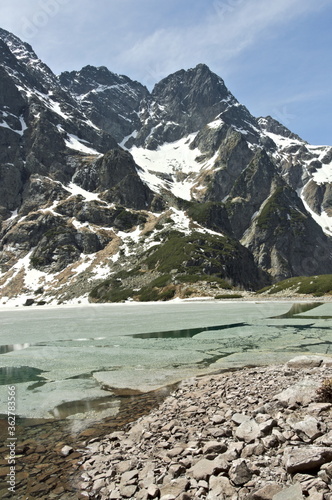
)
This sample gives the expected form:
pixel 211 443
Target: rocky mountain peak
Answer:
pixel 111 101
pixel 100 177
pixel 196 87
pixel 271 125
pixel 185 102
pixel 30 64
pixel 91 78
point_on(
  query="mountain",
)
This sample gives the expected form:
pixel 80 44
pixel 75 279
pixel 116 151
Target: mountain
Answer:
pixel 111 192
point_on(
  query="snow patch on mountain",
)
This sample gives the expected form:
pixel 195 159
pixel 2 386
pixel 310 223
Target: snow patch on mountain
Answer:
pixel 173 166
pixel 322 219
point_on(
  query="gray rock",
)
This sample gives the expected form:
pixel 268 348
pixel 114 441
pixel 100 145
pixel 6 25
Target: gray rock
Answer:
pixel 316 495
pixel 153 491
pixel 239 472
pixel 175 452
pixel 311 427
pixel 214 447
pixel 248 431
pixel 127 491
pixel 204 468
pixel 220 487
pixel 292 493
pixel 306 458
pixel 129 476
pixel 240 418
pixel 267 492
pixel 218 419
pixel 66 450
pixel 267 426
pixel 305 362
pixel 98 485
pixel 174 488
pixel 301 393
pixel 114 495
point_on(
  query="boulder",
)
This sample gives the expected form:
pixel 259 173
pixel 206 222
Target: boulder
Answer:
pixel 267 492
pixel 248 431
pixel 303 393
pixel 305 362
pixel 310 427
pixel 292 493
pixel 239 472
pixel 214 447
pixel 205 468
pixel 306 458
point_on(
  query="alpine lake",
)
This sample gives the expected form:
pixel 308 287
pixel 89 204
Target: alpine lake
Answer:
pixel 81 372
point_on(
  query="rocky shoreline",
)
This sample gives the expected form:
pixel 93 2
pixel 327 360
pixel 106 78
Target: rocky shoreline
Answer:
pixel 258 433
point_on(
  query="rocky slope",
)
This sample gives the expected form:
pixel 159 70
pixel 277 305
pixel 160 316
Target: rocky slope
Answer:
pixel 101 179
pixel 256 434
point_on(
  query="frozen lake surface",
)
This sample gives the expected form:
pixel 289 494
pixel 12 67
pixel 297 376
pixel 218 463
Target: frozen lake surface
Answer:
pixel 67 360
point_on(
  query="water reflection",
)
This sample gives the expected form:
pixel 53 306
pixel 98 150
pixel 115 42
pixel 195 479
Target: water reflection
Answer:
pixel 66 409
pixel 13 347
pixel 14 375
pixel 186 332
pixel 298 309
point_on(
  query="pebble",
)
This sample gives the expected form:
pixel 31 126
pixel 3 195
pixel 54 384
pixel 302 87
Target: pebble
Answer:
pixel 254 434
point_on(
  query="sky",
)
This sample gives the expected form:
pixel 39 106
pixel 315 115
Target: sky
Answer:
pixel 275 57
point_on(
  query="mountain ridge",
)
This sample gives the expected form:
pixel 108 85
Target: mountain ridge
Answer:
pixel 99 177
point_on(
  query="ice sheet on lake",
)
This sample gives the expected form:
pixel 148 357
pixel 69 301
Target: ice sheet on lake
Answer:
pixel 99 345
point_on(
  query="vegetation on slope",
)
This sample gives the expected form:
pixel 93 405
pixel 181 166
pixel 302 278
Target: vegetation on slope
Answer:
pixel 304 285
pixel 178 263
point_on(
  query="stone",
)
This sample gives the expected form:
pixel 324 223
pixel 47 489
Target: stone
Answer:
pixel 311 427
pixel 239 472
pixel 98 485
pixel 153 491
pixel 239 418
pixel 315 495
pixel 205 468
pixel 214 447
pixel 328 469
pixel 176 470
pixel 319 407
pixel 252 449
pixel 267 492
pixel 127 491
pixel 306 458
pixel 183 462
pixel 270 441
pixel 303 393
pixel 267 426
pixel 305 362
pixel 220 487
pixel 129 476
pixel 248 431
pixel 218 419
pixel 174 488
pixel 292 493
pixel 66 450
pixel 175 452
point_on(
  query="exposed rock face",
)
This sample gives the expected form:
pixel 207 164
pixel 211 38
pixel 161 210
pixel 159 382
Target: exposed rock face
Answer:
pixel 184 103
pixel 280 237
pixel 221 436
pixel 187 156
pixel 116 174
pixel 110 101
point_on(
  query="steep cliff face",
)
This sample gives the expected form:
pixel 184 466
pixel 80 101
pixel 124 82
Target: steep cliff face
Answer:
pixel 285 239
pixel 110 101
pixel 153 192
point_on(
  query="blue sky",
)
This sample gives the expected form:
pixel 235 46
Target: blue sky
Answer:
pixel 275 57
